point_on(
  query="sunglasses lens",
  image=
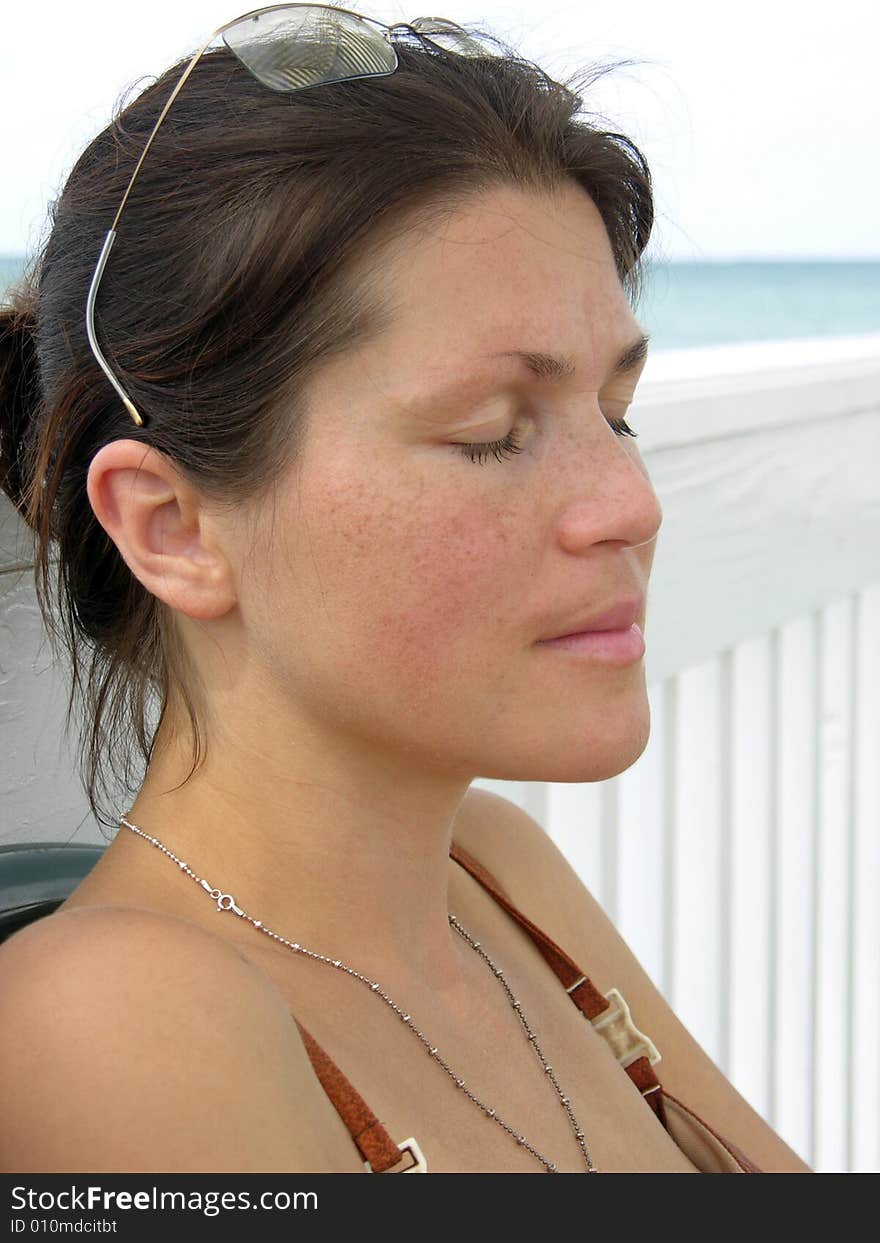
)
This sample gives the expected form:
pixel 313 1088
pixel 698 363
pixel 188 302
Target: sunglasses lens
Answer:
pixel 290 48
pixel 449 36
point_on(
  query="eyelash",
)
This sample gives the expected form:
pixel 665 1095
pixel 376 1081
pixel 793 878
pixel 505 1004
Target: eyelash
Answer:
pixel 510 445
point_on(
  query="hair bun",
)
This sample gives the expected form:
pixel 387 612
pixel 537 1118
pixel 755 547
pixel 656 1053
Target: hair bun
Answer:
pixel 19 397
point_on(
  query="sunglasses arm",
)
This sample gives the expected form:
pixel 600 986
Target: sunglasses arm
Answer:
pixel 90 330
pixel 111 237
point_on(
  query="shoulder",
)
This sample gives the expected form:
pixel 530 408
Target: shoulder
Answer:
pixel 132 1041
pixel 541 882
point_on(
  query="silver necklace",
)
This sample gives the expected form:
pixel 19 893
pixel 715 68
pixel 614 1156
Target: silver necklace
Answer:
pixel 225 902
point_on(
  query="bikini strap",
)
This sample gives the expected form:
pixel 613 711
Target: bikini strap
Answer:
pixel 381 1154
pixel 374 1143
pixel 608 1012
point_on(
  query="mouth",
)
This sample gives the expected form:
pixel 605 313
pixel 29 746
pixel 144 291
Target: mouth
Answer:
pixel 619 617
pixel 613 647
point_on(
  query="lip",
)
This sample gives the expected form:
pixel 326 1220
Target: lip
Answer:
pixel 620 616
pixel 611 647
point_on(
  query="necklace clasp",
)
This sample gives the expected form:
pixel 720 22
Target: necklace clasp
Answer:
pixel 226 902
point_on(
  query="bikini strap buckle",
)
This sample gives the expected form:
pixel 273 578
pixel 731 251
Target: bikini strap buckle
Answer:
pixel 419 1165
pixel 626 1041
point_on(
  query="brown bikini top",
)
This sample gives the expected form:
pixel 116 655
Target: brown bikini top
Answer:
pixel 609 1015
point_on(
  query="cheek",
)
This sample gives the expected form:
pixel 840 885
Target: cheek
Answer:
pixel 421 580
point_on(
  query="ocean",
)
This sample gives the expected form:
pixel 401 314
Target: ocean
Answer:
pixel 689 304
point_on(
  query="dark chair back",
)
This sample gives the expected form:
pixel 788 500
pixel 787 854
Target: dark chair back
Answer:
pixel 36 877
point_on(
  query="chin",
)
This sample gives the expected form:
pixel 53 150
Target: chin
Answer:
pixel 576 757
pixel 589 767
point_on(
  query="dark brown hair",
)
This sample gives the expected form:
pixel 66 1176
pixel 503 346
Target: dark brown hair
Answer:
pixel 247 256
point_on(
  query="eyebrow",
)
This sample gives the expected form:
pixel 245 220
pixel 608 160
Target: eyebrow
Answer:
pixel 553 367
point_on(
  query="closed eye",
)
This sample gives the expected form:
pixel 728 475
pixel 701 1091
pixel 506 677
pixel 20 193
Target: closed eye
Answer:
pixel 509 445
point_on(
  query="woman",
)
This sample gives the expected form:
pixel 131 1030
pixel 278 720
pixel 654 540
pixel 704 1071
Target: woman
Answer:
pixel 338 450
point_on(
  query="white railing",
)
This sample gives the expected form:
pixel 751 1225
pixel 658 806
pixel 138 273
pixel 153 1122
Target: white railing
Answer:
pixel 740 855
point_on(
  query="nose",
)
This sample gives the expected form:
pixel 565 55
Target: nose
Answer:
pixel 605 493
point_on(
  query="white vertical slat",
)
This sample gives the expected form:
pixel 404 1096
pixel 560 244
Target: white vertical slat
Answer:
pixel 751 855
pixel 610 836
pixel 641 898
pixel 850 880
pixel 796 812
pixel 573 823
pixel 833 899
pixel 670 813
pixel 697 932
pixel 813 778
pixel 724 1001
pixel 534 799
pixel 849 925
pixel 864 1087
pixel 774 800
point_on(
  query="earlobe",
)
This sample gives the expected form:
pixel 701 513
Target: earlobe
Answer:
pixel 160 525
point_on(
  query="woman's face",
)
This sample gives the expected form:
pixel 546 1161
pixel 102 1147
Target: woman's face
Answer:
pixel 397 589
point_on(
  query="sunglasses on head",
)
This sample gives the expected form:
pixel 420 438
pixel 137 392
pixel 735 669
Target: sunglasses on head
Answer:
pixel 288 47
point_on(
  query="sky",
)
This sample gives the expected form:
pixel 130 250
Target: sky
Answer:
pixel 757 118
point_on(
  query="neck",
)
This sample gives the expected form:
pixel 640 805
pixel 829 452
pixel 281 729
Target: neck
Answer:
pixel 343 852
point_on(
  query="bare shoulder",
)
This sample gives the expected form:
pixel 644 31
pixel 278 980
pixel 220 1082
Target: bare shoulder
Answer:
pixel 522 856
pixel 538 878
pixel 132 1041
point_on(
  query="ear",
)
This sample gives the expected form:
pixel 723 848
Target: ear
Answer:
pixel 162 529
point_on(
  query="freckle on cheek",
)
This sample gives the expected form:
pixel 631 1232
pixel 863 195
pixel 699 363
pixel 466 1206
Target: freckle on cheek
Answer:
pixel 432 605
pixel 415 575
